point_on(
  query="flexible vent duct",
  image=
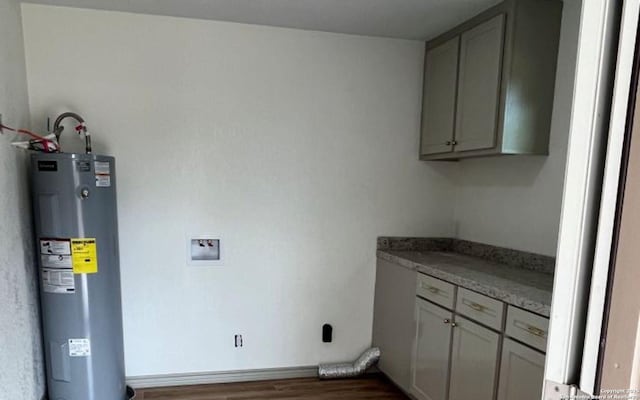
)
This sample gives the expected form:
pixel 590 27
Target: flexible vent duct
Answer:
pixel 350 370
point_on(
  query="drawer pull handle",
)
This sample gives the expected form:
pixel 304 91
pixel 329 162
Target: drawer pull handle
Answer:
pixel 432 289
pixel 530 329
pixel 536 331
pixel 479 307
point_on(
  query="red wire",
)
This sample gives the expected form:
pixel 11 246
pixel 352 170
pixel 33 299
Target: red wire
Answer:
pixel 38 137
pixel 33 135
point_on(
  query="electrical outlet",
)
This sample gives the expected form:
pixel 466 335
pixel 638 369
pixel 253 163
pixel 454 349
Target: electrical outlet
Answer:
pixel 238 340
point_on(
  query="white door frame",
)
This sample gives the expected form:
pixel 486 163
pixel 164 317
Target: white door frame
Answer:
pixel 588 207
pixel 608 205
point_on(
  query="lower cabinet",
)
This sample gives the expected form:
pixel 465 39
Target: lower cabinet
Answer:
pixel 521 372
pixel 443 342
pixel 394 321
pixel 474 361
pixel 430 369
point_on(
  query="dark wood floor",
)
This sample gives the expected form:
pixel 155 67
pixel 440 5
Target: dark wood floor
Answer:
pixel 371 387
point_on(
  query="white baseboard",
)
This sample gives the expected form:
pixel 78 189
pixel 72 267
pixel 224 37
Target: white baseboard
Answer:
pixel 203 378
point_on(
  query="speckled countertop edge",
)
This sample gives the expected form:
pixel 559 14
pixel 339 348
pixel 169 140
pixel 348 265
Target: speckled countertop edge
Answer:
pixel 542 307
pixel 501 255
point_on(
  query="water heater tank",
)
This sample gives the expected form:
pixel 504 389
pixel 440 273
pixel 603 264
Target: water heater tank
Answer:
pixel 74 198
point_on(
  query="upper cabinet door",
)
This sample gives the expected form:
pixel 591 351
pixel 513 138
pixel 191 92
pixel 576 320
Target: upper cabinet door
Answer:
pixel 478 102
pixel 439 102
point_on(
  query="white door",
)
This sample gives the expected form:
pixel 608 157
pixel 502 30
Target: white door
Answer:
pixel 521 372
pixel 474 361
pixel 439 98
pixel 430 378
pixel 479 86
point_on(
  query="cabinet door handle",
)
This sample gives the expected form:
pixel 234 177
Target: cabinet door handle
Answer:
pixel 448 143
pixel 453 324
pixel 454 142
pixel 447 321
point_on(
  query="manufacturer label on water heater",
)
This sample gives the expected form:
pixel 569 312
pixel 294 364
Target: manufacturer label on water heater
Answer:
pixel 79 347
pixel 60 259
pixel 56 266
pixel 55 246
pixel 58 281
pixel 48 166
pixel 56 261
pixel 102 170
pixel 84 255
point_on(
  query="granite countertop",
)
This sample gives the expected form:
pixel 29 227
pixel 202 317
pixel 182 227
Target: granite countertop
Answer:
pixel 525 288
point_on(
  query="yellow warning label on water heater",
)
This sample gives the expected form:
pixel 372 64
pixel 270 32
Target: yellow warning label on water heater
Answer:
pixel 84 255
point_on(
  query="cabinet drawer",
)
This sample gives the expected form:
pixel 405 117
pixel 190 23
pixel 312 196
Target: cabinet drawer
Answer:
pixel 527 327
pixel 438 291
pixel 481 308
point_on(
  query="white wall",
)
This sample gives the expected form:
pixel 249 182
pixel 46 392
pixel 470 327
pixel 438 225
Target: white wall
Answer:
pixel 515 201
pixel 21 366
pixel 298 147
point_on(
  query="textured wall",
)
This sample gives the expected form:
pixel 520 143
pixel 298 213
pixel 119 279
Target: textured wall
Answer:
pixel 21 365
pixel 298 147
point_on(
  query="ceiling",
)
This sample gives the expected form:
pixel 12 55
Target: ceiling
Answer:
pixel 409 19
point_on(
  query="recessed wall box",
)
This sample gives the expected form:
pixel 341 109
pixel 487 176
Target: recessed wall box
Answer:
pixel 204 250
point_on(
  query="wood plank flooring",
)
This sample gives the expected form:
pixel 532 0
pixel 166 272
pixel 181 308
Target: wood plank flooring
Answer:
pixel 370 387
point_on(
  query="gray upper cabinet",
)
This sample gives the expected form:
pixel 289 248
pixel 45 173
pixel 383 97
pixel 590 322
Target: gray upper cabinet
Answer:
pixel 489 83
pixel 479 87
pixel 441 77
